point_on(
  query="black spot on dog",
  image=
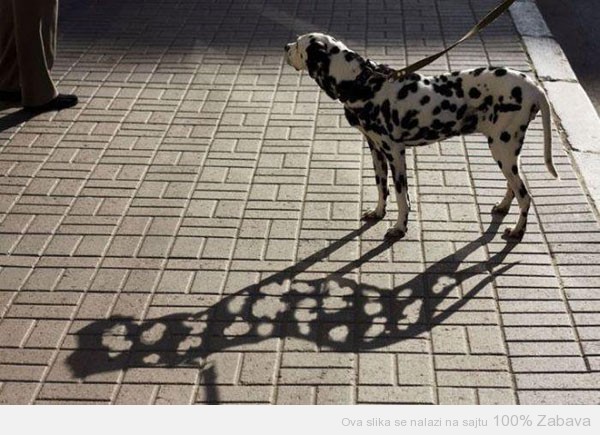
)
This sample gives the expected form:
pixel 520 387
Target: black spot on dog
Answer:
pixel 469 125
pixel 461 112
pixel 477 72
pixel 437 110
pixel 387 115
pixel 499 164
pixel 522 191
pixel 351 117
pixel 500 72
pixel 426 99
pixel 506 107
pixel 406 89
pixel 505 136
pixel 517 94
pixel 445 89
pixel 409 121
pixel 395 117
pixel 515 170
pixel 474 93
pixel 486 104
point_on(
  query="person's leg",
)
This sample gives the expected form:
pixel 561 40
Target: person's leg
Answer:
pixel 9 70
pixel 32 19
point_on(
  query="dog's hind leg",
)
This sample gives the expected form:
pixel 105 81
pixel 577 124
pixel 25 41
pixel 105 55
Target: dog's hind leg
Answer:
pixel 381 171
pixel 505 150
pixel 503 206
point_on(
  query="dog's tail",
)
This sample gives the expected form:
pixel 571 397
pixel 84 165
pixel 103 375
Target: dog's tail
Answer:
pixel 546 122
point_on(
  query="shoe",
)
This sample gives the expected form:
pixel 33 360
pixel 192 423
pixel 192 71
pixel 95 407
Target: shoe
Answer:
pixel 10 96
pixel 61 101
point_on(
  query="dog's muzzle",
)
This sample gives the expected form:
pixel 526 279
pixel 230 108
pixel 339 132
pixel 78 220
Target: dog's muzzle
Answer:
pixel 287 49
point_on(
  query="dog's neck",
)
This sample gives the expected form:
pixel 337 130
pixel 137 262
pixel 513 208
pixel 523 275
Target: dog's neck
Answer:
pixel 365 84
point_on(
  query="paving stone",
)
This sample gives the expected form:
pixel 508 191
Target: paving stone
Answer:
pixel 449 339
pixel 17 393
pixel 234 394
pixel 485 340
pixel 457 396
pixel 473 379
pixel 558 397
pixel 387 395
pixel 47 333
pixel 258 368
pixel 295 395
pixel 92 392
pixel 376 369
pixel 174 395
pixel 135 394
pixel 415 369
pixel 496 396
pixel 14 331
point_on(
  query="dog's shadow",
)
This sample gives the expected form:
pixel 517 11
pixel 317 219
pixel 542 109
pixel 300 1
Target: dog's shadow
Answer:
pixel 335 313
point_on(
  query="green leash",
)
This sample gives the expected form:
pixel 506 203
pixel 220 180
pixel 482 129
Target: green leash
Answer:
pixel 488 19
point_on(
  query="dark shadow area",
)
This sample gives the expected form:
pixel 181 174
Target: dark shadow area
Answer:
pixel 335 313
pixel 575 26
pixel 195 24
pixel 13 119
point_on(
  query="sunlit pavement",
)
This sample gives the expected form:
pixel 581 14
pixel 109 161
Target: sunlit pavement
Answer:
pixel 190 232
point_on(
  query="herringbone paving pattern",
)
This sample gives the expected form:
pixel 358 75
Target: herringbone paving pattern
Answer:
pixel 190 232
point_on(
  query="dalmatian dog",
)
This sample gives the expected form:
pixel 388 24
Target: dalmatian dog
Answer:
pixel 418 110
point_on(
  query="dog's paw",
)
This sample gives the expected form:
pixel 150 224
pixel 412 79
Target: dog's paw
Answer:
pixel 498 209
pixel 372 215
pixel 394 234
pixel 512 234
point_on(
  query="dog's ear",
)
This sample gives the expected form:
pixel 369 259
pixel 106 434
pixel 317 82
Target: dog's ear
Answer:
pixel 318 61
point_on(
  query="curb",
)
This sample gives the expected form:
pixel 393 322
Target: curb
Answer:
pixel 576 116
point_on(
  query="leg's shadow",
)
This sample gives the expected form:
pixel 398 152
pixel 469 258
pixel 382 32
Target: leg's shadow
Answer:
pixel 13 119
pixel 334 312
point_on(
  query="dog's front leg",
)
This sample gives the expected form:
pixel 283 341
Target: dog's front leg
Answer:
pixel 398 169
pixel 381 171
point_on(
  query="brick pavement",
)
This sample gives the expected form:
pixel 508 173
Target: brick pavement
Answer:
pixel 190 232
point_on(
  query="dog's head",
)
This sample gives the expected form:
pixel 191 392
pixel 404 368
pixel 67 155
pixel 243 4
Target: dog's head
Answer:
pixel 326 59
